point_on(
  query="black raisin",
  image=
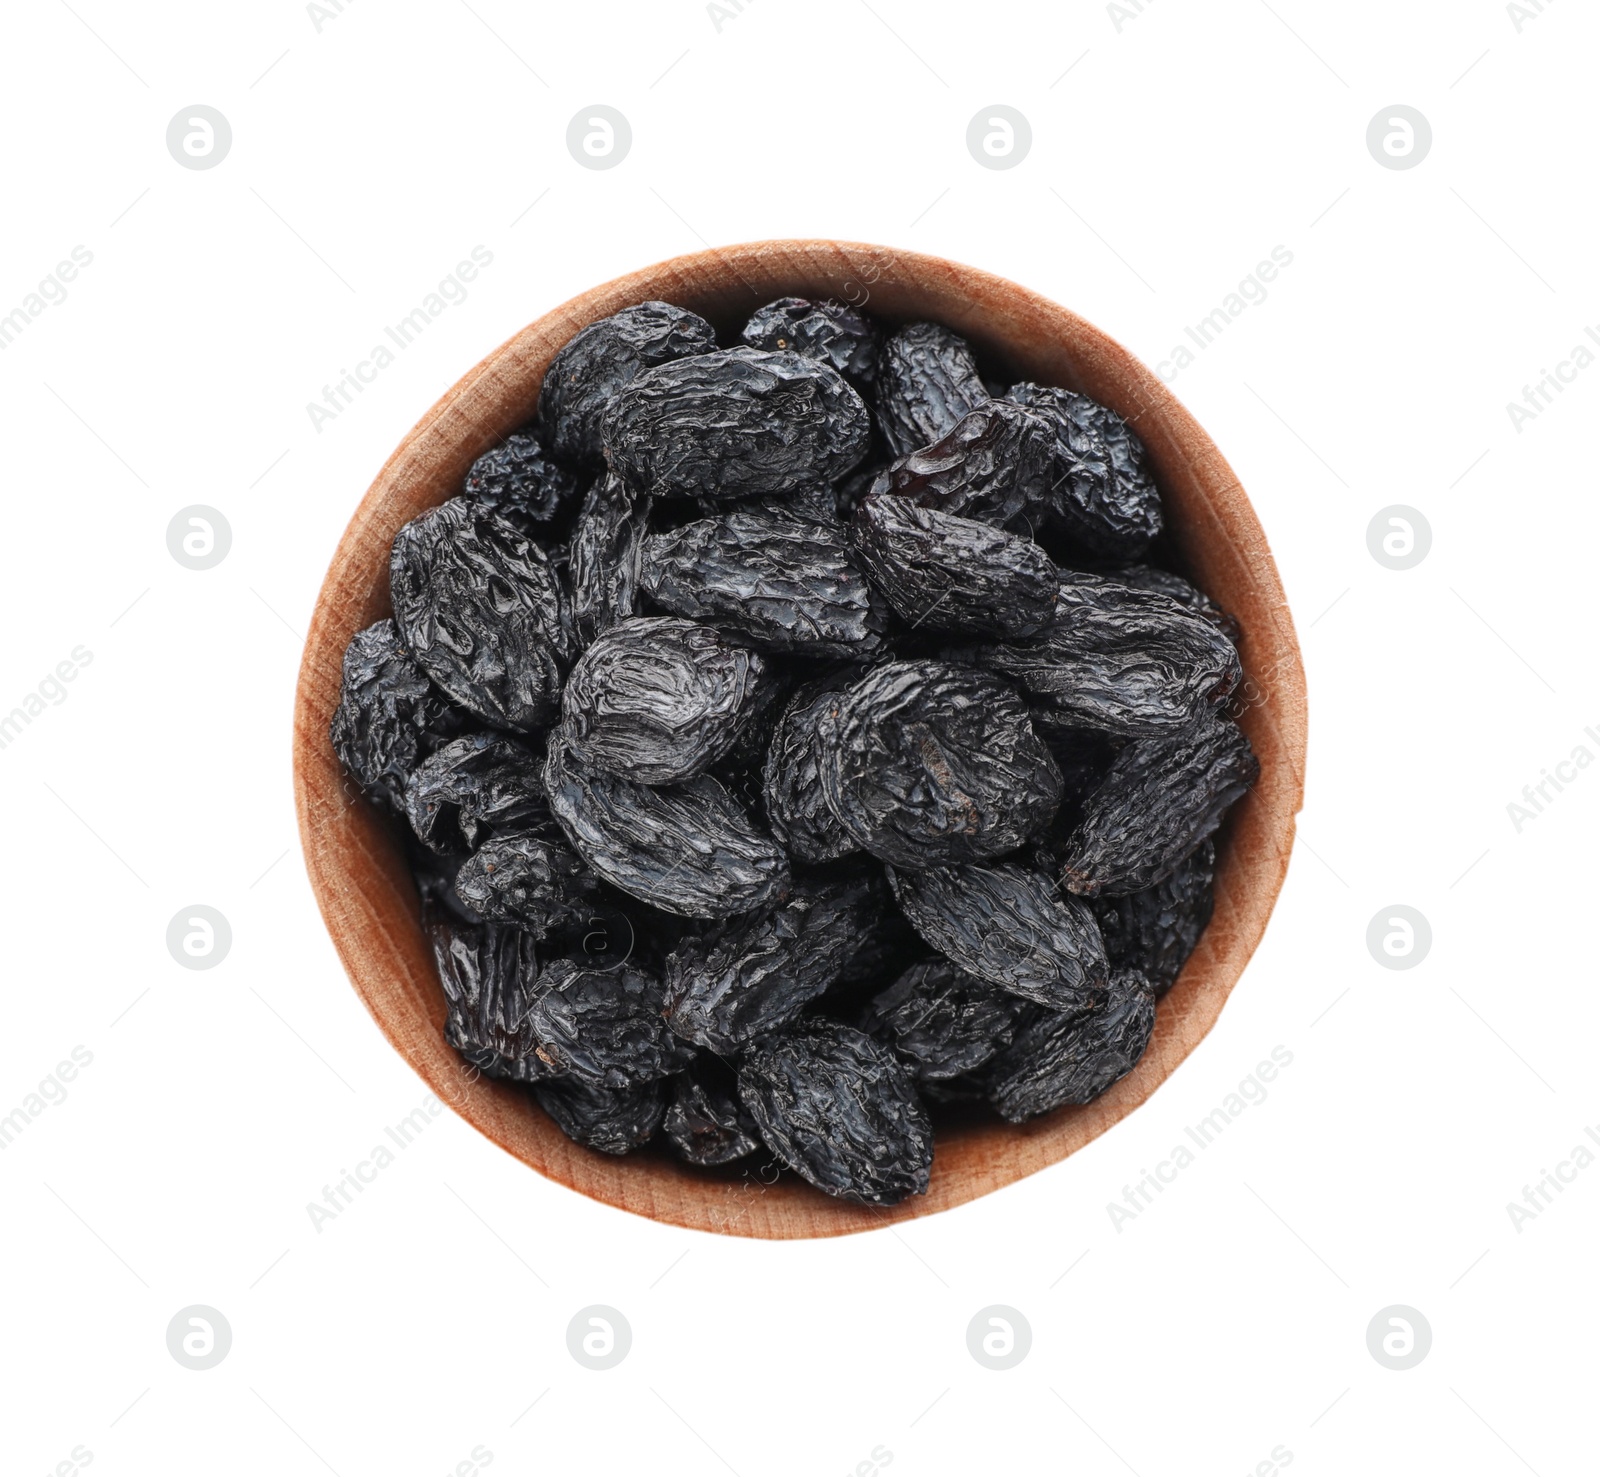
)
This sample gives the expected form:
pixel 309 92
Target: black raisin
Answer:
pixel 1059 1059
pixel 926 763
pixel 478 604
pixel 520 481
pixel 927 380
pixel 1155 931
pixel 1010 926
pixel 1160 799
pixel 1176 587
pixel 942 1021
pixel 993 465
pixel 840 1110
pixel 830 332
pixel 604 1027
pixel 706 1124
pixel 736 423
pixel 687 849
pixel 490 976
pixel 474 785
pixel 598 361
pixel 659 699
pixel 787 583
pixel 390 716
pixel 614 1120
pixel 751 975
pixel 603 557
pixel 797 810
pixel 530 879
pixel 1103 495
pixel 945 573
pixel 1118 659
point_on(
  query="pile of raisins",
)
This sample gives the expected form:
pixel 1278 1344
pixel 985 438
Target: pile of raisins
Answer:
pixel 799 739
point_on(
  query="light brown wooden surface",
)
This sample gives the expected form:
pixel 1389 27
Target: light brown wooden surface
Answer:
pixel 356 865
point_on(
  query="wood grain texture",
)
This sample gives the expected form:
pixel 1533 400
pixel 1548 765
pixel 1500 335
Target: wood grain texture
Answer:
pixel 357 866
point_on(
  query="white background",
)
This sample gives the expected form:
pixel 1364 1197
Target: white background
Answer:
pixel 1172 151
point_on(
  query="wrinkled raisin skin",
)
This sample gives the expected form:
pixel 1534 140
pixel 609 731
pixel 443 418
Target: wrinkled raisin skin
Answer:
pixel 943 1021
pixel 390 716
pixel 785 582
pixel 687 849
pixel 659 700
pixel 736 423
pixel 705 1123
pixel 833 333
pixel 1102 493
pixel 471 787
pixel 1119 659
pixel 1061 1059
pixel 993 465
pixel 520 481
pixel 1161 798
pixel 752 975
pixel 797 809
pixel 941 572
pixel 603 557
pixel 1155 931
pixel 840 1110
pixel 614 1120
pixel 478 605
pixel 927 764
pixel 603 1027
pixel 927 380
pixel 529 879
pixel 599 361
pixel 1010 926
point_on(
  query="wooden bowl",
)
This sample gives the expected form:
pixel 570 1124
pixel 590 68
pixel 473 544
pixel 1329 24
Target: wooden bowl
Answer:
pixel 357 865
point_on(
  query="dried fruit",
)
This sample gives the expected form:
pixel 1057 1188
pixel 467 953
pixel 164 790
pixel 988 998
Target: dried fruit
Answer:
pixel 830 332
pixel 945 573
pixel 476 602
pixel 1176 587
pixel 614 1120
pixel 706 1123
pixel 797 810
pixel 603 557
pixel 787 583
pixel 530 879
pixel 993 465
pixel 1061 1059
pixel 840 1110
pixel 686 849
pixel 604 1027
pixel 1155 931
pixel 600 360
pixel 389 715
pixel 815 504
pixel 736 423
pixel 1010 926
pixel 474 785
pixel 1161 798
pixel 942 1021
pixel 750 975
pixel 1119 659
pixel 490 975
pixel 927 380
pixel 519 480
pixel 659 700
pixel 925 763
pixel 1102 493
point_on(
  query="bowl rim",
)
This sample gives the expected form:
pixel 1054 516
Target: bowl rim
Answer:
pixel 351 860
